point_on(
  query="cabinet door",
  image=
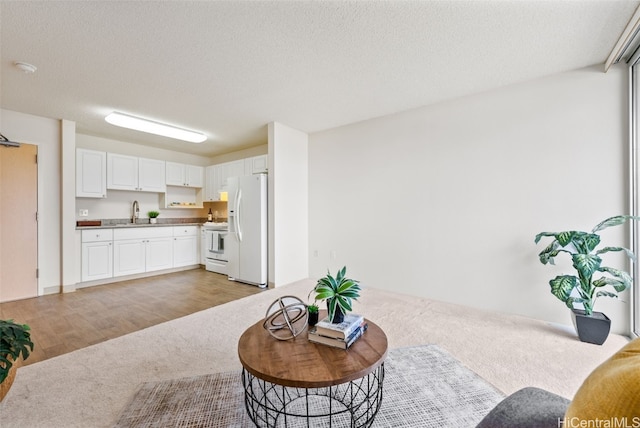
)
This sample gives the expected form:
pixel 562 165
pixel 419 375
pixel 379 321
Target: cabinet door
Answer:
pixel 151 175
pixel 159 254
pixel 194 176
pixel 235 169
pixel 255 165
pixel 203 246
pixel 211 184
pixel 185 251
pixel 91 174
pixel 229 169
pixel 128 257
pixel 175 174
pixel 97 260
pixel 122 172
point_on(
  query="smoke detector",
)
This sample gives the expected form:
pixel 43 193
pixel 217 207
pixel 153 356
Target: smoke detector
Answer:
pixel 25 67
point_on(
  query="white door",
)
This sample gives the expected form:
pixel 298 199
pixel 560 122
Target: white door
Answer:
pixel 159 254
pixel 128 257
pixel 97 260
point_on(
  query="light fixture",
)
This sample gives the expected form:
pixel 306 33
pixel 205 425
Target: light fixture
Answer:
pixel 25 67
pixel 157 128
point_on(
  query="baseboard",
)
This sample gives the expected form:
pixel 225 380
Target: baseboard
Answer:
pixel 54 290
pixel 136 276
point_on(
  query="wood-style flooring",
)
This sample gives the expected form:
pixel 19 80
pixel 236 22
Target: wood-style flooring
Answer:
pixel 62 323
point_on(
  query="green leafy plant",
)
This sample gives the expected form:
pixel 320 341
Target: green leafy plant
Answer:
pixel 313 309
pixel 338 291
pixel 581 246
pixel 153 214
pixel 15 340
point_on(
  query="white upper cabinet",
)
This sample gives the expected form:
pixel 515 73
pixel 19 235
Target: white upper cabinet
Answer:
pixel 91 174
pixel 255 165
pixel 133 173
pixel 194 175
pixel 179 174
pixel 211 183
pixel 151 175
pixel 122 172
pixel 216 175
pixel 233 169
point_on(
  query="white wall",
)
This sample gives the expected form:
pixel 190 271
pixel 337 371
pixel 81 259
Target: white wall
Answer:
pixel 288 205
pixel 46 134
pixel 445 201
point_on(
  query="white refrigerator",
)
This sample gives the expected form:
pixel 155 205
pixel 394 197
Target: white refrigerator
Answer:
pixel 246 242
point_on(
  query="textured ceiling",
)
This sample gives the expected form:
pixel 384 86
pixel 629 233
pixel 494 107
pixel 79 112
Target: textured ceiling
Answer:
pixel 229 68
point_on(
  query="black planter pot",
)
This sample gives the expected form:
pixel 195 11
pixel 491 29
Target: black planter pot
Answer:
pixel 591 329
pixel 313 318
pixel 338 315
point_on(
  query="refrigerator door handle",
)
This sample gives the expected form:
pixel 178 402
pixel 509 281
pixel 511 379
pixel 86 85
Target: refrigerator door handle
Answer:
pixel 238 216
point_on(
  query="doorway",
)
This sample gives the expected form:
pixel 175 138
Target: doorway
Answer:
pixel 18 222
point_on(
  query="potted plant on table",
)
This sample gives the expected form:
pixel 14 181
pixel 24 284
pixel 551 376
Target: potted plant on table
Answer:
pixel 313 311
pixel 153 215
pixel 592 327
pixel 15 341
pixel 339 292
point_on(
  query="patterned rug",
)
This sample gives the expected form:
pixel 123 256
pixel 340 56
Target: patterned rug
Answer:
pixel 424 386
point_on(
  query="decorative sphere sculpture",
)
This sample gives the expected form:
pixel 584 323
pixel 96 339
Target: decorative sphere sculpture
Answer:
pixel 286 318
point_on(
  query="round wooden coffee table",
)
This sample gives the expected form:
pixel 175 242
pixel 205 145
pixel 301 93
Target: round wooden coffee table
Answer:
pixel 300 383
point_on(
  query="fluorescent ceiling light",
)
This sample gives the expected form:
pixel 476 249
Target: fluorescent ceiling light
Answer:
pixel 157 128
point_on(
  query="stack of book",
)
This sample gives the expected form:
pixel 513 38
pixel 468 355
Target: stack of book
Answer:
pixel 341 335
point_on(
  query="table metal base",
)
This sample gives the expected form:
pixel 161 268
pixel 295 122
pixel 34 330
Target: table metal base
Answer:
pixel 351 404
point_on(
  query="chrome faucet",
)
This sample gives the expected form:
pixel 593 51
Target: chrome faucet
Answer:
pixel 136 212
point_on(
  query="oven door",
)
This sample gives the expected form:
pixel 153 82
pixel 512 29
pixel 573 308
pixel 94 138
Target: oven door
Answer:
pixel 215 244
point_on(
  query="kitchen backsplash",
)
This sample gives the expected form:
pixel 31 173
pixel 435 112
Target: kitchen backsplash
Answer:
pixel 119 205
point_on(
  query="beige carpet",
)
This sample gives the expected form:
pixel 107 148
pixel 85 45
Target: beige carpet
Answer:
pixel 90 387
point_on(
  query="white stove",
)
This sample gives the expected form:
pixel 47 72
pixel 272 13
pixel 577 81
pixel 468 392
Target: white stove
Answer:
pixel 213 237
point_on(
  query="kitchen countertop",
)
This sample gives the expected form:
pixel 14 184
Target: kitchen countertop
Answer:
pixel 121 224
pixel 131 225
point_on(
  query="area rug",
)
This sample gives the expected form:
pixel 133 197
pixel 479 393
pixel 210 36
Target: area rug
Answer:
pixel 424 386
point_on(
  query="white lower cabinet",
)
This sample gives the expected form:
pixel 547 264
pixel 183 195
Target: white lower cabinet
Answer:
pixel 159 254
pixel 139 250
pixel 97 254
pixel 128 257
pixel 108 253
pixel 186 240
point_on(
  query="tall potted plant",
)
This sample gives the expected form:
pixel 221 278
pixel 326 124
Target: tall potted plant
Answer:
pixel 15 341
pixel 584 289
pixel 339 292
